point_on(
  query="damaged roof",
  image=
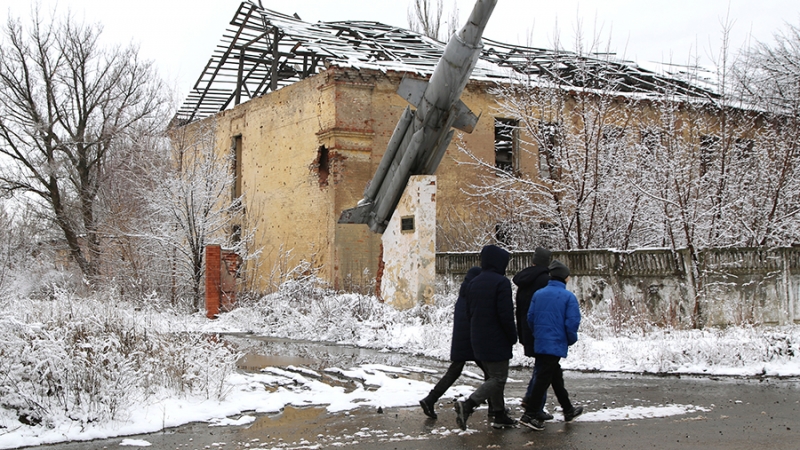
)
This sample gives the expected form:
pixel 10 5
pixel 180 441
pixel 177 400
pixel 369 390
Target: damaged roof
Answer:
pixel 263 50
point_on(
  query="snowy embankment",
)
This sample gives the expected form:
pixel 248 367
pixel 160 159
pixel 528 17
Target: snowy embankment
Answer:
pixel 79 369
pixel 83 368
pixel 358 320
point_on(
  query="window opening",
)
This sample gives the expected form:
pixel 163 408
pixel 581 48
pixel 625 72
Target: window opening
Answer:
pixel 708 147
pixel 744 148
pixel 236 166
pixel 236 234
pixel 503 233
pixel 323 165
pixel 550 139
pixel 407 224
pixel 505 143
pixel 652 140
pixel 613 135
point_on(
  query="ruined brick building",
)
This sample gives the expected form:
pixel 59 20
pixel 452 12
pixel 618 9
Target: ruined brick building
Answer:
pixel 306 111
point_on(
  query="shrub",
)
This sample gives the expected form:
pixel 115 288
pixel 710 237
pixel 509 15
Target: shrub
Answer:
pixel 90 359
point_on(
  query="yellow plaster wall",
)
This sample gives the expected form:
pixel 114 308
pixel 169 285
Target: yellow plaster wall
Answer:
pixel 285 201
pixel 353 114
pixel 378 109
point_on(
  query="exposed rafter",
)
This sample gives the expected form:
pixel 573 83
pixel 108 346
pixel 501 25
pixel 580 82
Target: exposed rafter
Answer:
pixel 263 50
pixel 600 71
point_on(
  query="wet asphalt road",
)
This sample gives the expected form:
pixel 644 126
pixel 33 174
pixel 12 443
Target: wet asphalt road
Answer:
pixel 737 414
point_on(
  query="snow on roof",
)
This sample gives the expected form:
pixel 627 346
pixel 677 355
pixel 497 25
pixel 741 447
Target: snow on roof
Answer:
pixel 264 50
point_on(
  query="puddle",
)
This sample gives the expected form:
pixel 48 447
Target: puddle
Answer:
pixel 314 427
pixel 261 352
pixel 254 362
pixel 290 424
pixel 327 362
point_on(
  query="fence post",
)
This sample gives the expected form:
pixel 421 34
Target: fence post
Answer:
pixel 787 303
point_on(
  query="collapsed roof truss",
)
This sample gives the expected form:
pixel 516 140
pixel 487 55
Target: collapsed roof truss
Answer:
pixel 597 72
pixel 262 51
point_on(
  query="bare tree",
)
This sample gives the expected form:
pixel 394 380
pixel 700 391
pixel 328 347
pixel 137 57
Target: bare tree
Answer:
pixel 6 246
pixel 66 105
pixel 579 140
pixel 771 74
pixel 190 201
pixel 769 80
pixel 425 17
pixel 667 169
pixel 173 196
pixel 134 257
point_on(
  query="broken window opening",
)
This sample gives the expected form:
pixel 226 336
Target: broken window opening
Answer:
pixel 744 148
pixel 708 147
pixel 652 140
pixel 236 234
pixel 323 165
pixel 505 144
pixel 236 166
pixel 503 233
pixel 549 141
pixel 613 135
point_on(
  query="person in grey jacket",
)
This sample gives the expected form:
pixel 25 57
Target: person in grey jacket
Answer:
pixel 554 316
pixel 493 333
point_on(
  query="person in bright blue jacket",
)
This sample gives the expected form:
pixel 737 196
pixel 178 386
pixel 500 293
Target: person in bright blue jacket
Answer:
pixel 554 316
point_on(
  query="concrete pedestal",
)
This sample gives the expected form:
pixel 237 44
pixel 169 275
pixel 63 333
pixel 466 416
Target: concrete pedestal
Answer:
pixel 409 246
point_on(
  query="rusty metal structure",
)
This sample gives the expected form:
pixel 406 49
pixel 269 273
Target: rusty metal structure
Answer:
pixel 263 50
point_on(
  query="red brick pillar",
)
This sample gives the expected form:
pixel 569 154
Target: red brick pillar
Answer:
pixel 213 263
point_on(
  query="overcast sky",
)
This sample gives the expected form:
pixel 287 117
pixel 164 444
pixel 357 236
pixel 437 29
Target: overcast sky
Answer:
pixel 180 35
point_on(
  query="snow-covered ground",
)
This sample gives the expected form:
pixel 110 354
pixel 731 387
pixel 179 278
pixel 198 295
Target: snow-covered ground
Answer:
pixel 212 391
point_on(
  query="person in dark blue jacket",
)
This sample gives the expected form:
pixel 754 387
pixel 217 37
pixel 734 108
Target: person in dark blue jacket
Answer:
pixel 554 316
pixel 490 310
pixel 528 281
pixel 460 348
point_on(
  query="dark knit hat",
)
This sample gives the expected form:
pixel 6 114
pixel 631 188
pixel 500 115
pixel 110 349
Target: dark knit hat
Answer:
pixel 541 257
pixel 558 270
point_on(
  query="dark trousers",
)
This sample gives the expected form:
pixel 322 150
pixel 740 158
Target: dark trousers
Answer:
pixel 548 373
pixel 450 377
pixel 496 373
pixel 529 391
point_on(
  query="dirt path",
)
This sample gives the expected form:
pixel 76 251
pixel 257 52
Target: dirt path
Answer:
pixel 728 414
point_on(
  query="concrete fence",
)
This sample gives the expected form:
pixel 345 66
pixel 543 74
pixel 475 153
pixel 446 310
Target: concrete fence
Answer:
pixel 730 285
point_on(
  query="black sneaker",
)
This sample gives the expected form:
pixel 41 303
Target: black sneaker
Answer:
pixel 532 423
pixel 541 415
pixel 572 413
pixel 501 420
pixel 427 408
pixel 463 412
pixel 491 413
